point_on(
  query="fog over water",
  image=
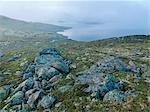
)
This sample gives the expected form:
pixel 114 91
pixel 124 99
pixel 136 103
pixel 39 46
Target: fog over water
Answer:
pixel 90 20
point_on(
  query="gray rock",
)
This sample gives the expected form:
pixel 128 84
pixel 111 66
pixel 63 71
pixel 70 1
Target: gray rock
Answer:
pixel 51 51
pixel 52 72
pixel 61 66
pixel 47 73
pixel 110 83
pixel 51 57
pixel 19 73
pixel 25 86
pixel 57 105
pixel 16 99
pixel 27 75
pixel 1 79
pixel 37 84
pixel 1 54
pixel 148 98
pixel 65 88
pixel 115 96
pixel 14 57
pixel 33 99
pixel 147 74
pixel 55 79
pixel 99 82
pixel 30 68
pixel 8 72
pixel 47 101
pixel 30 92
pixel 4 92
pixel 109 65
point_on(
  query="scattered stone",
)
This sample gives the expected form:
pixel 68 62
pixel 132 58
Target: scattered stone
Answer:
pixel 33 99
pixel 148 97
pixel 39 78
pixel 16 99
pixel 4 92
pixel 47 102
pixel 147 74
pixel 64 88
pixel 109 65
pixel 55 79
pixel 14 57
pixel 99 82
pixel 8 72
pixel 115 96
pixel 1 54
pixel 25 86
pixel 57 105
pixel 1 79
pixel 19 73
pixel 27 75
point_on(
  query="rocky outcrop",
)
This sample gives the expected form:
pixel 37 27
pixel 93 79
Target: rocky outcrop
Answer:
pixel 38 81
pixel 99 79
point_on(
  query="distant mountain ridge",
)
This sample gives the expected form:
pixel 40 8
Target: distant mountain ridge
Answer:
pixel 19 25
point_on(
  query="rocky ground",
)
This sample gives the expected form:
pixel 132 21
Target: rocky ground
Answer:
pixel 48 72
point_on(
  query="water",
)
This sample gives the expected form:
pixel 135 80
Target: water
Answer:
pixel 90 32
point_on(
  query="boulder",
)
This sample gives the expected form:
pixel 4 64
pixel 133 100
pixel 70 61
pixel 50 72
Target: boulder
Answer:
pixel 25 85
pixel 148 98
pixel 30 92
pixel 47 102
pixel 109 65
pixel 147 74
pixel 34 98
pixel 51 51
pixel 52 58
pixel 52 72
pixel 4 92
pixel 47 73
pixel 1 54
pixel 61 66
pixel 99 82
pixel 14 57
pixel 27 75
pixel 16 99
pixel 115 96
pixel 64 88
pixel 1 78
pixel 110 83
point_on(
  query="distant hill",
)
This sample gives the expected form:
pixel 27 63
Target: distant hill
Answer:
pixel 18 25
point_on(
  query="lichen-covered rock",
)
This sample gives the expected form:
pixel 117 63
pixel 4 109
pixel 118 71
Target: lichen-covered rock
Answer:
pixel 147 74
pixel 1 79
pixel 30 92
pixel 25 86
pixel 47 101
pixel 52 58
pixel 47 73
pixel 1 54
pixel 4 92
pixel 51 51
pixel 109 65
pixel 27 75
pixel 115 96
pixel 34 98
pixel 64 88
pixel 16 99
pixel 39 78
pixel 61 66
pixel 109 84
pixel 99 82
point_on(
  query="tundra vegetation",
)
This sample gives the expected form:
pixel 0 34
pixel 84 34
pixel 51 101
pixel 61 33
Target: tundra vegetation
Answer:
pixel 41 70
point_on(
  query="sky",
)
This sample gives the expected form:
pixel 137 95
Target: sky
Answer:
pixel 108 14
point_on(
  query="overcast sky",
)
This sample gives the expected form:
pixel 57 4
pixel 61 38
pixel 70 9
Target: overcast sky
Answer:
pixel 121 14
